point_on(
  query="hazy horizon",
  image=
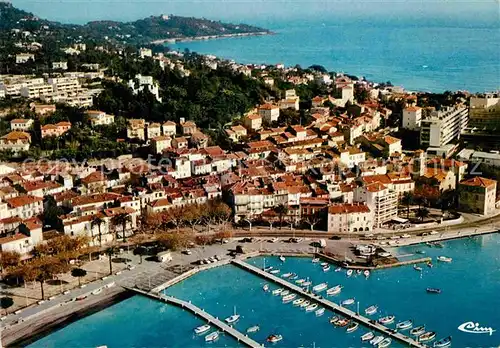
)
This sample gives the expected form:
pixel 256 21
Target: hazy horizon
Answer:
pixel 265 12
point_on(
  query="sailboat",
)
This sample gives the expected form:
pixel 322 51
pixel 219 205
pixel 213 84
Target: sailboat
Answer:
pixel 233 318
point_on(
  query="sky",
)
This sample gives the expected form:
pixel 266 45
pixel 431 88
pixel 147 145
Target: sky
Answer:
pixel 262 11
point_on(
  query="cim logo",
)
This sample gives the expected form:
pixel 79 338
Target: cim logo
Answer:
pixel 471 327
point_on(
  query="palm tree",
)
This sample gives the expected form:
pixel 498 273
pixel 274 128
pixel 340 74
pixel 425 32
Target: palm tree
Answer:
pixel 96 220
pixel 422 213
pixel 111 251
pixel 281 210
pixel 407 200
pixel 121 220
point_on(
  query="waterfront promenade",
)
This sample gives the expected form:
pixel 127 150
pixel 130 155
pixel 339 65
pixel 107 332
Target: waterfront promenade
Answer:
pixel 331 305
pixel 200 313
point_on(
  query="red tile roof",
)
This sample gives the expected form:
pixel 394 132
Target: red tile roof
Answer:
pixel 348 208
pixel 478 181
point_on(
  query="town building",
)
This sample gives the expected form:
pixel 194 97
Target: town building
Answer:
pixel 443 126
pixel 100 118
pixel 412 118
pixel 253 122
pixel 160 143
pixel 21 124
pixel 348 218
pixel 15 141
pixel 55 130
pixel 269 112
pixel 60 65
pixel 380 199
pixel 24 58
pixel 477 195
pixel 141 83
pixel 136 129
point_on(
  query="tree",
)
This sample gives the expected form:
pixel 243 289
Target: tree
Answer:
pixel 175 216
pixel 110 252
pixel 9 259
pixel 6 302
pixel 47 268
pixel 281 210
pixel 97 221
pixel 407 200
pixel 121 220
pixel 422 213
pixel 217 212
pixel 312 220
pixel 78 273
pixel 193 215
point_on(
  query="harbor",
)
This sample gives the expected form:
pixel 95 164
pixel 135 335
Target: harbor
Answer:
pixel 331 305
pixel 210 319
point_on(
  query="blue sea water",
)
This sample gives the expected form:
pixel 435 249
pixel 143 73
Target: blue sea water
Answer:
pixel 470 292
pixel 418 54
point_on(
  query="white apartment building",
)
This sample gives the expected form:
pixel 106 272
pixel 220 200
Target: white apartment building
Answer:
pixel 145 82
pixel 441 127
pixel 24 58
pixel 350 218
pixel 60 65
pixel 64 84
pixel 269 113
pixel 2 93
pixel 412 118
pixel 37 91
pixel 380 199
pixel 22 124
pixel 100 118
pixel 25 206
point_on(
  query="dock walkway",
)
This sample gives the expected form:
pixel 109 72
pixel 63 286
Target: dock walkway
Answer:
pixel 202 314
pixel 331 305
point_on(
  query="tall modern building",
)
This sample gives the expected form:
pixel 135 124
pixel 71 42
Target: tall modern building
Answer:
pixel 443 126
pixel 484 112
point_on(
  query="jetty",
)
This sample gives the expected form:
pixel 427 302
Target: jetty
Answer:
pixel 200 313
pixel 332 306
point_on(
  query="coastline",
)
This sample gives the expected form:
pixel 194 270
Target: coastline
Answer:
pixel 209 37
pixel 33 329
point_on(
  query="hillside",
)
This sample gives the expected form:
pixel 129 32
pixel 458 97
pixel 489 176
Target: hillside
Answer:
pixel 139 32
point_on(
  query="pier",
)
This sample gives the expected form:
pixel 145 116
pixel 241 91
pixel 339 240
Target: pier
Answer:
pixel 378 267
pixel 200 313
pixel 331 305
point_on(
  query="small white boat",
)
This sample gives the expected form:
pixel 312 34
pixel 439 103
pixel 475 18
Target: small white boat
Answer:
pixel 338 269
pixel 286 275
pixel 307 283
pixel 366 273
pixel 265 287
pixel 320 287
pixel 214 336
pixel 315 260
pixel 417 268
pixel 358 272
pixel 267 269
pixel 367 336
pixel 305 304
pixel 348 302
pixel 404 325
pixel 387 320
pixel 300 281
pixel 417 331
pixel 274 338
pixel 371 310
pixel 282 258
pixel 274 271
pixel 444 342
pixel 298 302
pixel 324 264
pixel 353 326
pixel 427 336
pixel 349 272
pixel 311 307
pixel 289 297
pixel 376 340
pixel 444 259
pixel 334 291
pixel 285 292
pixel 320 312
pixel 326 268
pixel 254 328
pixel 386 342
pixel 201 329
pixel 277 291
pixel 233 318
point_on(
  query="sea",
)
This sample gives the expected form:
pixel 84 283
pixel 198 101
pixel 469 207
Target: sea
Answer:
pixel 470 288
pixel 419 54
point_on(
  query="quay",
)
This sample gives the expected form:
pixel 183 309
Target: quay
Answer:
pixel 200 313
pixel 331 305
pixel 371 268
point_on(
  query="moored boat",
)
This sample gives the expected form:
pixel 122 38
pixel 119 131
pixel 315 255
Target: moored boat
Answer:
pixel 334 320
pixel 201 329
pixel 387 319
pixel 274 271
pixel 315 260
pixel 214 336
pixel 433 290
pixel 320 287
pixel 366 273
pixel 334 291
pixel 376 340
pixel 444 259
pixel 306 283
pixel 285 292
pixel 427 336
pixel 324 264
pixel 267 269
pixel 348 302
pixel 312 307
pixel 265 287
pixel 358 272
pixel 300 281
pixel 305 303
pixel 352 327
pixel 386 342
pixel 289 297
pixel 326 268
pixel 254 328
pixel 233 318
pixel 404 325
pixel 274 338
pixel 429 264
pixel 277 291
pixel 282 258
pixel 349 272
pixel 444 342
pixel 371 310
pixel 417 331
pixel 417 268
pixel 319 312
pixel 298 301
pixel 338 269
pixel 367 336
pixel 342 322
pixel 286 275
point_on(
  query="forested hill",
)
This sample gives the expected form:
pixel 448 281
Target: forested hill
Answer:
pixel 138 32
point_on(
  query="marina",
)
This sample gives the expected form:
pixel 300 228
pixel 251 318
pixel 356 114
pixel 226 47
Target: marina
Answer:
pixel 331 305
